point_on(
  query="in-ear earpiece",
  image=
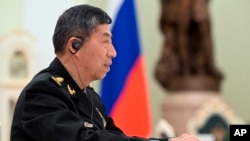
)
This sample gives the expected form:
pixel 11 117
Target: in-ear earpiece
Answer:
pixel 76 45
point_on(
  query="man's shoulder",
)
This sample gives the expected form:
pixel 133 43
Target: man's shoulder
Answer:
pixel 45 79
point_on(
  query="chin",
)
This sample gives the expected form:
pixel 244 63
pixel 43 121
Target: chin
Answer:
pixel 103 76
pixel 100 77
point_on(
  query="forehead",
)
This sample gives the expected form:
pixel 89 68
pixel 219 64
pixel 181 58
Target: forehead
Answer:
pixel 102 30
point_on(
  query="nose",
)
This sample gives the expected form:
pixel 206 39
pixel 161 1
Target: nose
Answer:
pixel 112 52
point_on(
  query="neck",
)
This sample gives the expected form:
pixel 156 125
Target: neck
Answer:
pixel 73 70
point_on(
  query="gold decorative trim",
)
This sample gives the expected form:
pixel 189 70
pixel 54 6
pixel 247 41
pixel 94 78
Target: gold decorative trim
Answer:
pixel 215 105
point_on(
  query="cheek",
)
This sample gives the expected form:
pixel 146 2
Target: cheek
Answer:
pixel 99 55
pixel 92 57
pixel 95 62
pixel 96 57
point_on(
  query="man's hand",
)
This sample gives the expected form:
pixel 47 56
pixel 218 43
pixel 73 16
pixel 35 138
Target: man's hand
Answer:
pixel 185 137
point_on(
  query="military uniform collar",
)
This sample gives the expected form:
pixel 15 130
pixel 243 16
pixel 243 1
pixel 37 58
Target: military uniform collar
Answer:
pixel 59 70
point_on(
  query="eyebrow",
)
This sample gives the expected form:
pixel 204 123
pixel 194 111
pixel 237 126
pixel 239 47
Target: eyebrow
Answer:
pixel 107 34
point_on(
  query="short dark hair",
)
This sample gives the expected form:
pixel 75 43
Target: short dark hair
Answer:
pixel 78 21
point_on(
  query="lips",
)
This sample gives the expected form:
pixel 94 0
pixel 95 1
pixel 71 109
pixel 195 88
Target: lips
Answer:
pixel 108 66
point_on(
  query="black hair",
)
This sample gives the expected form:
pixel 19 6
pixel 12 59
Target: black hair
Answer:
pixel 78 21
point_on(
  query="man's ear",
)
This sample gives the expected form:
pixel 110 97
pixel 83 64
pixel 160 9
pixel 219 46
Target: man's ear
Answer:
pixel 74 45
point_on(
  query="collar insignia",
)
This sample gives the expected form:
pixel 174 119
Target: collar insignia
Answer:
pixel 71 91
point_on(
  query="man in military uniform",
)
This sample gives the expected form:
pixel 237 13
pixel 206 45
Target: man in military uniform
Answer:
pixel 58 104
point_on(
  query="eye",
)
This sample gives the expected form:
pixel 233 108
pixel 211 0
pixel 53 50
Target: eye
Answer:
pixel 107 41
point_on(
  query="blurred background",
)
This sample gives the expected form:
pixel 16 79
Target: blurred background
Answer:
pixel 36 19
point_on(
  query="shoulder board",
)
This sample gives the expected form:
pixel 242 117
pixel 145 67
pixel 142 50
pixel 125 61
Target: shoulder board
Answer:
pixel 59 80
